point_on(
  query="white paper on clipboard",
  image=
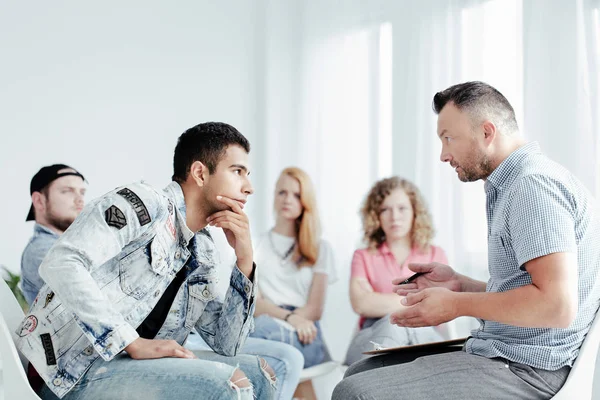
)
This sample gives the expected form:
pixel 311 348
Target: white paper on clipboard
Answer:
pixel 424 346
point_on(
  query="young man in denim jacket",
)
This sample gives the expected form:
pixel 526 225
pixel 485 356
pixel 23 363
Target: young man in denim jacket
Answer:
pixel 136 272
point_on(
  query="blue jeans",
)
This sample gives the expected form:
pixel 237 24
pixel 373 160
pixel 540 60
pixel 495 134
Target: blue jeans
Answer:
pixel 169 378
pixel 285 360
pixel 266 327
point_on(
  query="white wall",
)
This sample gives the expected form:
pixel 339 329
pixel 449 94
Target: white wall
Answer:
pixel 108 87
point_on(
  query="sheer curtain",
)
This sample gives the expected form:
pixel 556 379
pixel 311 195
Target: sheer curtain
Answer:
pixel 345 124
pixel 562 93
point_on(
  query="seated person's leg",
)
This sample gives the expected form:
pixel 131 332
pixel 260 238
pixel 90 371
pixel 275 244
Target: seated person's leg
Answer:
pixel 261 375
pixel 286 360
pixel 268 328
pixel 164 378
pixel 454 375
pixel 388 359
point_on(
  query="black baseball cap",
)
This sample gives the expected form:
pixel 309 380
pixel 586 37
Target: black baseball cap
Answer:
pixel 44 177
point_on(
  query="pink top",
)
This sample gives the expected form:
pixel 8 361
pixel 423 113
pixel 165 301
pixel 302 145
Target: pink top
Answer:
pixel 379 267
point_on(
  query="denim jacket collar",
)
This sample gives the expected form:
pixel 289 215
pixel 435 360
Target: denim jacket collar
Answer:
pixel 175 193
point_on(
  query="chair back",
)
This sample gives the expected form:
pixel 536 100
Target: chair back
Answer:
pixel 15 383
pixel 580 381
pixel 11 312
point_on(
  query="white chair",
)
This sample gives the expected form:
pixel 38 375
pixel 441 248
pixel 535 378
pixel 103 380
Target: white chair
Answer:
pixel 580 381
pixel 315 371
pixel 14 365
pixel 305 388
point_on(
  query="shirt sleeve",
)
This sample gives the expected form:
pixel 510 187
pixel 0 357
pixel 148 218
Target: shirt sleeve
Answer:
pixel 226 325
pixel 359 265
pixel 86 246
pixel 325 262
pixel 541 219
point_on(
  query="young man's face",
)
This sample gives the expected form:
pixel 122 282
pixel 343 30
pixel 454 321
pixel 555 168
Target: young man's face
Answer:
pixel 230 179
pixel 396 215
pixel 64 200
pixel 461 145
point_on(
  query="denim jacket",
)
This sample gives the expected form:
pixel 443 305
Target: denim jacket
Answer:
pixel 42 240
pixel 107 272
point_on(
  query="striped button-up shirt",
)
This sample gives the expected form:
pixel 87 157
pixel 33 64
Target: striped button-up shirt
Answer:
pixel 535 207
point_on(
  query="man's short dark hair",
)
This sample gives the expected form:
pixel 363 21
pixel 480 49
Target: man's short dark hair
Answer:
pixel 480 100
pixel 206 143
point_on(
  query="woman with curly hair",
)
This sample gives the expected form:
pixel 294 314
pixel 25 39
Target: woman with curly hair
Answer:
pixel 398 231
pixel 294 268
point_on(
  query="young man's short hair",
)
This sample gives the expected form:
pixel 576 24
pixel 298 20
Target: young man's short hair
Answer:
pixel 207 143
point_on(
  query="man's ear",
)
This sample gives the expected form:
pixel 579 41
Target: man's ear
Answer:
pixel 39 202
pixel 489 131
pixel 199 173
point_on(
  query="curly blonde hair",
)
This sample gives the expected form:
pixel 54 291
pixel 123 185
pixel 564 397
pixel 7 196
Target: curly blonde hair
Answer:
pixel 422 231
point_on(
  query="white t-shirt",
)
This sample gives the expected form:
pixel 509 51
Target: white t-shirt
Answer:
pixel 282 282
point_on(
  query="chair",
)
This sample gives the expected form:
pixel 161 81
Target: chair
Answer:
pixel 315 371
pixel 15 383
pixel 580 381
pixel 305 388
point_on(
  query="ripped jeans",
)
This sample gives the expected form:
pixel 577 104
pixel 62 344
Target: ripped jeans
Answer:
pixel 207 377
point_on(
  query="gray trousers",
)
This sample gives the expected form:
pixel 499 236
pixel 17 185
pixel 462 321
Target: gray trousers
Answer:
pixel 453 374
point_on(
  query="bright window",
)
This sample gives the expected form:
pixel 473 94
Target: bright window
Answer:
pixel 492 49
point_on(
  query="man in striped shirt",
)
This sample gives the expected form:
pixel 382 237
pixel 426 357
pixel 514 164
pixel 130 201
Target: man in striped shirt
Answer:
pixel 543 260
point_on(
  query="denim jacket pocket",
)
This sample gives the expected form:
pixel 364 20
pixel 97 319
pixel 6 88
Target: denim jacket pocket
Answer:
pixel 200 294
pixel 140 271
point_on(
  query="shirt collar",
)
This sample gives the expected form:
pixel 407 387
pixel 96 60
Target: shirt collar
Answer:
pixel 175 194
pixel 500 176
pixel 41 229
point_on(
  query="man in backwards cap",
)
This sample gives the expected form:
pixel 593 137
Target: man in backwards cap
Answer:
pixel 57 193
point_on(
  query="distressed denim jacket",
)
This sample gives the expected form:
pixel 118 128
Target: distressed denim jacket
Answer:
pixel 107 272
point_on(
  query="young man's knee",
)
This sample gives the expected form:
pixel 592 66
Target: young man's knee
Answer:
pixel 267 369
pixel 239 379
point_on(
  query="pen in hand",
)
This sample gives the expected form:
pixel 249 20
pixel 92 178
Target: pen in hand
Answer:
pixel 412 278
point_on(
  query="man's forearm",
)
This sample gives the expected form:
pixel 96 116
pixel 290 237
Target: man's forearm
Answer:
pixel 471 285
pixel 377 305
pixel 526 306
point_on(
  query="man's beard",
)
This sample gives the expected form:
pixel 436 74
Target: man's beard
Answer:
pixel 481 170
pixel 59 223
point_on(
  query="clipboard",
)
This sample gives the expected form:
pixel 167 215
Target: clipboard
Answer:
pixel 446 343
